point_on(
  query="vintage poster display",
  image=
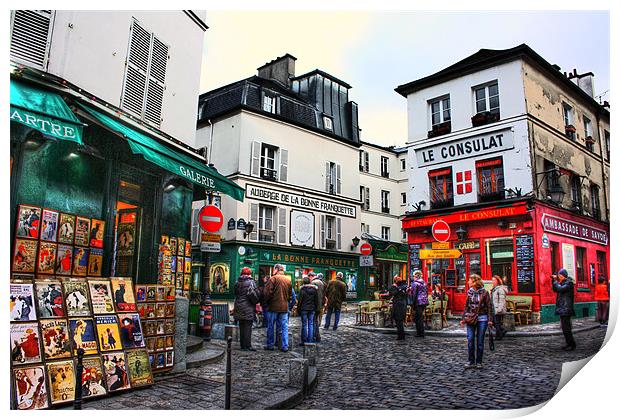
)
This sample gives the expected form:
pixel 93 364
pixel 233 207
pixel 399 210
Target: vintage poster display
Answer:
pixel 150 344
pixel 180 265
pixel 160 344
pixel 24 256
pixel 46 261
pixel 139 368
pixel 187 278
pixel 30 388
pixel 66 229
pixel 140 293
pixel 80 261
pixel 173 246
pixel 169 326
pixel 25 343
pixel 160 310
pixel 160 360
pixel 108 333
pixel 169 293
pixel 76 297
pixel 101 296
pixel 28 222
pixel 188 248
pixel 122 290
pixel 150 310
pixel 93 384
pixel 188 265
pixel 131 331
pixel 64 260
pixel 61 376
pixel 151 293
pixel 161 293
pixel 56 343
pixel 160 327
pixel 169 342
pixel 49 225
pixel 169 311
pixel 141 308
pixel 82 231
pixel 50 299
pixel 115 369
pixel 180 246
pixel 21 303
pixel 126 234
pixel 95 262
pixel 150 328
pixel 97 228
pixel 83 335
pixel 169 359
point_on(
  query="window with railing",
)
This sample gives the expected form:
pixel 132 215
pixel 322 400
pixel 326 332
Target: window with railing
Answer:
pixel 490 179
pixel 440 186
pixel 268 162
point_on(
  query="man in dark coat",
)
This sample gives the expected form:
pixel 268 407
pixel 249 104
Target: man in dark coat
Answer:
pixel 246 297
pixel 336 294
pixel 398 292
pixel 564 288
pixel 306 306
pixel 317 280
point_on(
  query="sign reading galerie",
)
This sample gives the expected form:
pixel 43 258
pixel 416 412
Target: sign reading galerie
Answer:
pixel 302 228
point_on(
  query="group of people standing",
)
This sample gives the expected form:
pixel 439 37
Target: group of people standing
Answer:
pixel 414 295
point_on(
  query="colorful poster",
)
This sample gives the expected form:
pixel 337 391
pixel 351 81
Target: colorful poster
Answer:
pixel 219 278
pixel 173 246
pixel 160 327
pixel 76 297
pixel 122 290
pixel 139 368
pixel 151 293
pixel 24 256
pixel 92 378
pixel 108 333
pixel 95 262
pixel 49 225
pixel 21 303
pixel 188 265
pixel 169 311
pixel 150 310
pixel 30 388
pixel 97 229
pixel 47 258
pixel 64 260
pixel 49 299
pixel 188 248
pixel 150 344
pixel 187 279
pixel 169 358
pixel 82 231
pixel 169 342
pixel 131 331
pixel 56 343
pixel 169 326
pixel 101 296
pixel 80 261
pixel 169 293
pixel 83 335
pixel 161 293
pixel 180 265
pixel 141 308
pixel 62 381
pixel 28 222
pixel 66 230
pixel 25 346
pixel 160 310
pixel 116 378
pixel 126 235
pixel 160 344
pixel 161 360
pixel 150 328
pixel 140 293
pixel 180 246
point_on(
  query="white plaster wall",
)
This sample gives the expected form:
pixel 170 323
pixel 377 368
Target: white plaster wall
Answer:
pixel 224 153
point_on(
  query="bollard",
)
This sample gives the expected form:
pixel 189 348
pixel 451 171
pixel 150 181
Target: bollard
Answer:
pixel 436 321
pixel 77 402
pixel 311 351
pixel 228 373
pixel 298 374
pixel 380 320
pixel 509 321
pixel 231 331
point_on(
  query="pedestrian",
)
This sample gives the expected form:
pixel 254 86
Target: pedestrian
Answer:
pixel 438 292
pixel 477 315
pixel 278 295
pixel 498 298
pixel 261 294
pixel 418 294
pixel 336 293
pixel 601 296
pixel 565 297
pixel 246 298
pixel 318 282
pixel 398 292
pixel 307 305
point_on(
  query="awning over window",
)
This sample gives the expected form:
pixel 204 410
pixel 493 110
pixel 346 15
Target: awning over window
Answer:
pixel 169 159
pixel 44 111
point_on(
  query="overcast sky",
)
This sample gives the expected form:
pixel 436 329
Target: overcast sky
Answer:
pixel 376 51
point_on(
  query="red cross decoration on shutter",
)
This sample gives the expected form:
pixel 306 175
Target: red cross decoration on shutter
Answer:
pixel 463 182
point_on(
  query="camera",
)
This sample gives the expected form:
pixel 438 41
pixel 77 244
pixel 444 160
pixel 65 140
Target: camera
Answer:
pixel 553 277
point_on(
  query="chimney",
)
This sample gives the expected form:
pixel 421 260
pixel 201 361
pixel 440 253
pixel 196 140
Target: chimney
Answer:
pixel 282 69
pixel 584 81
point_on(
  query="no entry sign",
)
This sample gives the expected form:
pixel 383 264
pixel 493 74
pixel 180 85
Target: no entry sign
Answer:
pixel 211 219
pixel 366 249
pixel 441 231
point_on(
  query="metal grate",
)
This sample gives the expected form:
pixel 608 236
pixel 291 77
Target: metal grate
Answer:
pixel 221 314
pixel 30 36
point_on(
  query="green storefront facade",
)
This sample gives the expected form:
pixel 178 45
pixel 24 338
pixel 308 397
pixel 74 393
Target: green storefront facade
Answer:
pixel 390 259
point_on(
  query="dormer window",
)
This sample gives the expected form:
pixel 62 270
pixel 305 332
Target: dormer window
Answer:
pixel 327 123
pixel 270 104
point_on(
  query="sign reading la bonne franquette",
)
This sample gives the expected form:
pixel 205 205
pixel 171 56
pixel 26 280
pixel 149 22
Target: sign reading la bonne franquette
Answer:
pixel 464 148
pixel 297 200
pixel 572 229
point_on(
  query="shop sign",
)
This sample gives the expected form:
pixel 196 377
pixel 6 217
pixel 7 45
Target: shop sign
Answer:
pixel 298 200
pixel 465 245
pixel 560 226
pixel 466 217
pixel 440 245
pixel 427 254
pixel 241 224
pixel 366 261
pixel 294 258
pixel 210 246
pixel 49 126
pixel 545 241
pixel 231 224
pixel 391 253
pixel 211 237
pixel 302 228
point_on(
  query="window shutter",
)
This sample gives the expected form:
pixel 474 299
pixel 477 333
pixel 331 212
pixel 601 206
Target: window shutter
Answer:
pixel 136 70
pixel 367 198
pixel 157 82
pixel 254 220
pixel 283 165
pixel 255 163
pixel 338 232
pixel 281 225
pixel 327 176
pixel 31 36
pixel 366 164
pixel 195 227
pixel 338 183
pixel 322 236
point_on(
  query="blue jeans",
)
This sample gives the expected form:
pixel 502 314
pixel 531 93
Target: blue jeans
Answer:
pixel 475 341
pixel 328 317
pixel 307 327
pixel 279 321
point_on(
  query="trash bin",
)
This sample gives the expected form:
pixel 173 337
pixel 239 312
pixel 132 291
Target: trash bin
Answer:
pixel 192 328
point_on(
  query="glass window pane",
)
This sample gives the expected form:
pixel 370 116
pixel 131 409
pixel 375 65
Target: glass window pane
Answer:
pixel 494 102
pixel 481 106
pixel 446 103
pixel 435 119
pixel 480 94
pixel 493 90
pixel 435 107
pixel 446 115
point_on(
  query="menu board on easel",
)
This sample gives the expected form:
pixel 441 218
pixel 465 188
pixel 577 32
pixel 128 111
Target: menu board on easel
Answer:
pixel 524 253
pixel 414 259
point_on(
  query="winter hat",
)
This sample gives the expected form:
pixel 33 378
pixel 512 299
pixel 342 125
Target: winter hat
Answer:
pixel 246 271
pixel 562 272
pixel 311 274
pixel 320 276
pixel 278 267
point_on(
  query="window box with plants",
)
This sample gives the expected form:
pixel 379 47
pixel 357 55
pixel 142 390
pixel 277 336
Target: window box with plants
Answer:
pixel 440 129
pixel 570 131
pixel 483 118
pixel 589 140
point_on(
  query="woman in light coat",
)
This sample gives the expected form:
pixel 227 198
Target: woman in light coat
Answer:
pixel 498 297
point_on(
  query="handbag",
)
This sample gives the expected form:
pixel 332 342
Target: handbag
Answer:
pixel 253 296
pixel 491 339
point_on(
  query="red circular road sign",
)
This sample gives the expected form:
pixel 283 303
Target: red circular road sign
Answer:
pixel 210 218
pixel 366 249
pixel 441 231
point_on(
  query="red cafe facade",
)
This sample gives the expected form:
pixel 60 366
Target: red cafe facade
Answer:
pixel 525 240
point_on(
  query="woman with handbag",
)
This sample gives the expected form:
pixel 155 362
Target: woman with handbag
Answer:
pixel 477 315
pixel 498 297
pixel 246 298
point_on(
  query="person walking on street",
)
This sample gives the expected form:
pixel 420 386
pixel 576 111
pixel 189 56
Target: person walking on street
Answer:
pixel 419 297
pixel 398 292
pixel 336 293
pixel 306 306
pixel 601 296
pixel 564 306
pixel 320 285
pixel 477 315
pixel 246 298
pixel 278 294
pixel 498 298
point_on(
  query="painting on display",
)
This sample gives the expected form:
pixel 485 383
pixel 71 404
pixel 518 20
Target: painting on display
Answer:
pixel 101 296
pixel 188 248
pixel 131 331
pixel 150 310
pixel 115 370
pixel 169 326
pixel 30 388
pixel 61 376
pixel 108 333
pixel 187 279
pixel 66 228
pixel 83 335
pixel 169 342
pixel 47 258
pixel 64 260
pixel 188 265
pixel 49 225
pixel 169 358
pixel 92 378
pixel 80 261
pixel 219 278
pixel 161 293
pixel 95 262
pixel 161 344
pixel 180 246
pixel 151 293
pixel 76 297
pixel 55 337
pixel 28 222
pixel 25 345
pixel 122 290
pixel 140 293
pixel 160 310
pixel 82 231
pixel 21 303
pixel 160 328
pixel 169 311
pixel 141 308
pixel 150 328
pixel 173 246
pixel 161 360
pixel 126 234
pixel 180 265
pixel 24 256
pixel 97 228
pixel 49 299
pixel 169 294
pixel 139 368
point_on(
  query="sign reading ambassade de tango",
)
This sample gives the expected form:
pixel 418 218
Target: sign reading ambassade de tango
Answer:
pixel 465 148
pixel 572 229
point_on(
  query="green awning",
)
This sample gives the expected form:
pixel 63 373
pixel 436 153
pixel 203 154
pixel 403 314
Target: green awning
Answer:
pixel 44 111
pixel 169 159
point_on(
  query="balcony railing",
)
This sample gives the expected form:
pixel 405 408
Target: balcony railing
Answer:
pixel 270 174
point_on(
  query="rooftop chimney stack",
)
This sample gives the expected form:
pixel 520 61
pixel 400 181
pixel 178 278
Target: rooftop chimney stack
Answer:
pixel 584 81
pixel 282 69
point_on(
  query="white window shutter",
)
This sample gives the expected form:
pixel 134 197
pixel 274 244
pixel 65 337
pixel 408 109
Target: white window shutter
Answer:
pixel 281 225
pixel 157 82
pixel 367 198
pixel 338 232
pixel 366 164
pixel 338 182
pixel 255 159
pixel 31 33
pixel 283 165
pixel 254 220
pixel 136 76
pixel 327 177
pixel 195 227
pixel 322 235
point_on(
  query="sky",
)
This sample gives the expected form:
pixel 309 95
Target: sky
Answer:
pixel 377 51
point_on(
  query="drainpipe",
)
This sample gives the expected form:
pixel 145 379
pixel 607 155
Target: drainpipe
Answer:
pixel 210 142
pixel 602 159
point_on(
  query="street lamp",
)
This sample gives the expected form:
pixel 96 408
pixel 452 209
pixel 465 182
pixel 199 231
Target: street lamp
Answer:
pixel 249 228
pixel 461 233
pixel 555 193
pixel 356 242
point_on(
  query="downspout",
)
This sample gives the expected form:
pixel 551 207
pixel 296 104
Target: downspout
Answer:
pixel 602 159
pixel 210 143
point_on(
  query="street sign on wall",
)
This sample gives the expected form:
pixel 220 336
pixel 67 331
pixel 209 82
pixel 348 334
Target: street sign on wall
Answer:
pixel 366 261
pixel 427 254
pixel 210 247
pixel 210 218
pixel 366 249
pixel 441 231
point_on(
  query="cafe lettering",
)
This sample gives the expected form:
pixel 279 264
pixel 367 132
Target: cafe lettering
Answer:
pixel 277 257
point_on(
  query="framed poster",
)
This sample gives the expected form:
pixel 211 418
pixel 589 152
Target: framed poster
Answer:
pixel 30 388
pixel 152 361
pixel 180 265
pixel 64 260
pixel 151 293
pixel 160 344
pixel 150 344
pixel 150 328
pixel 97 228
pixel 161 293
pixel 188 265
pixel 568 259
pixel 101 296
pixel 92 378
pixel 140 293
pixel 122 290
pixel 25 343
pixel 219 277
pixel 161 360
pixel 169 342
pixel 139 368
pixel 82 231
pixel 188 248
pixel 301 228
pixel 165 240
pixel 169 358
pixel 108 333
pixel 160 310
pixel 187 279
pixel 80 261
pixel 131 331
pixel 83 336
pixel 50 299
pixel 160 327
pixel 173 245
pixel 95 262
pixel 49 225
pixel 66 229
pixel 180 246
pixel 150 310
pixel 169 293
pixel 46 261
pixel 56 343
pixel 62 381
pixel 141 308
pixel 24 256
pixel 21 303
pixel 76 297
pixel 126 234
pixel 115 371
pixel 169 311
pixel 169 326
pixel 28 222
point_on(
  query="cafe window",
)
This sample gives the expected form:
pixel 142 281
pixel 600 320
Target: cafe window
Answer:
pixel 490 179
pixel 580 257
pixel 601 264
pixel 487 99
pixel 440 111
pixel 466 265
pixel 440 185
pixel 500 254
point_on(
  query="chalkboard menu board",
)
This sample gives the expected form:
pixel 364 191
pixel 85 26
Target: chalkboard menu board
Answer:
pixel 524 251
pixel 450 277
pixel 414 259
